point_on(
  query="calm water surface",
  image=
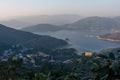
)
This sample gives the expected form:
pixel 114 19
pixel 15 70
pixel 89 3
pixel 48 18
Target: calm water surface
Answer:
pixel 83 40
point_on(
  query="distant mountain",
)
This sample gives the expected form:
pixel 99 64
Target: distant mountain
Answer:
pixel 51 19
pixel 87 24
pixel 42 28
pixel 15 24
pixel 9 37
pixel 117 19
pixel 115 37
pixel 95 23
pixel 22 22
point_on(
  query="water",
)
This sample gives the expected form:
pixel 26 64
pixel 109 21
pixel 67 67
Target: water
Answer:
pixel 83 40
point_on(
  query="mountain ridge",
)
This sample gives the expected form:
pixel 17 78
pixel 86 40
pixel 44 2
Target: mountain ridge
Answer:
pixel 22 22
pixel 10 36
pixel 42 28
pixel 93 23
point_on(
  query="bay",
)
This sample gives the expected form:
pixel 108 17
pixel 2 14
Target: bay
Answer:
pixel 83 40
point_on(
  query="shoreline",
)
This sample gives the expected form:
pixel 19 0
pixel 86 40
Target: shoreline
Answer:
pixel 107 39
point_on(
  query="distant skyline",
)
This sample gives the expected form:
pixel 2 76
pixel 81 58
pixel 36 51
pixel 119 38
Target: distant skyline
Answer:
pixel 18 8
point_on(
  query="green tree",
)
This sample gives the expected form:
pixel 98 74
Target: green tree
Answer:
pixel 42 76
pixel 109 70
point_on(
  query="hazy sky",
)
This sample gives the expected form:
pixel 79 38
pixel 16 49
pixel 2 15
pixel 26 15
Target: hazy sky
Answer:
pixel 13 8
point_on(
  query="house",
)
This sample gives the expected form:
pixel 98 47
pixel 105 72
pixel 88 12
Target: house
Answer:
pixel 88 53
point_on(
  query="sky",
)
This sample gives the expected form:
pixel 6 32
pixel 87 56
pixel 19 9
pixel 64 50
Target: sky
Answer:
pixel 18 8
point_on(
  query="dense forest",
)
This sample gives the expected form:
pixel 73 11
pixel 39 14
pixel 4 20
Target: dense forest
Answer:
pixel 104 65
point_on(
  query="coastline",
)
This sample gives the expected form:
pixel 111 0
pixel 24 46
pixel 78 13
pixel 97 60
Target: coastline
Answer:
pixel 107 39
